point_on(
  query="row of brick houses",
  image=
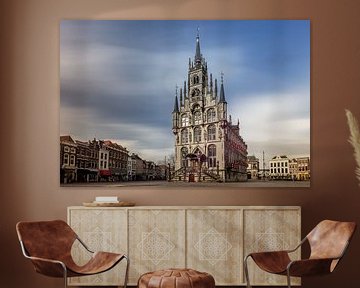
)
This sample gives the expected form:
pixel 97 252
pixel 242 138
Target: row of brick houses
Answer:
pixel 280 167
pixel 98 160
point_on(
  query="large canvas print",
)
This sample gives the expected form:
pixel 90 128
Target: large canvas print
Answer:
pixel 176 102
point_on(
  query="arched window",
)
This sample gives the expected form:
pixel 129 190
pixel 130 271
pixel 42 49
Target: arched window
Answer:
pixel 211 132
pixel 211 115
pixel 212 156
pixel 184 152
pixel 72 160
pixel 197 134
pixel 196 79
pixel 184 136
pixel 184 120
pixel 197 117
pixel 66 159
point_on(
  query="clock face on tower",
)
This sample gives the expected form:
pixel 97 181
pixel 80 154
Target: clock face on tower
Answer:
pixel 195 92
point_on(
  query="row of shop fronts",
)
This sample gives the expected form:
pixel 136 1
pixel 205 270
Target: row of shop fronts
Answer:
pixel 103 161
pixel 80 175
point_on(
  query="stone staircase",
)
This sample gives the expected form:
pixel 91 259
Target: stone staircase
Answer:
pixel 211 176
pixel 177 175
pixel 183 175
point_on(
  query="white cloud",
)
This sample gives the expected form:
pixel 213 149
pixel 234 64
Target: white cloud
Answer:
pixel 276 124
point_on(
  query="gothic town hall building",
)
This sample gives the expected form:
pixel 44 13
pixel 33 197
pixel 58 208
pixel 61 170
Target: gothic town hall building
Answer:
pixel 208 146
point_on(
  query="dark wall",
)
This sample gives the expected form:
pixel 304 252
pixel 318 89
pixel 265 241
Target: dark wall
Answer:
pixel 29 111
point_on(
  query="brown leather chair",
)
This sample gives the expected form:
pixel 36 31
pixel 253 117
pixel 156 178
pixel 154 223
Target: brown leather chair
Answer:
pixel 48 245
pixel 328 242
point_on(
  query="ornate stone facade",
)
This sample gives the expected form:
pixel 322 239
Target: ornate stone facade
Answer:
pixel 208 147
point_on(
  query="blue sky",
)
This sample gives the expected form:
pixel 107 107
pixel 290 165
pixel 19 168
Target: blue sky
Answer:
pixel 118 80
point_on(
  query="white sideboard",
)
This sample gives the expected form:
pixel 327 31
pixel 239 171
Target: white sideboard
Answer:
pixel 211 239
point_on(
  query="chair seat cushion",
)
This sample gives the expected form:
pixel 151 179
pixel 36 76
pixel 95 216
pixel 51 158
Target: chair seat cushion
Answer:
pixel 176 278
pixel 272 262
pixel 99 262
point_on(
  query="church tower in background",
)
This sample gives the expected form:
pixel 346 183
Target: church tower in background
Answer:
pixel 208 146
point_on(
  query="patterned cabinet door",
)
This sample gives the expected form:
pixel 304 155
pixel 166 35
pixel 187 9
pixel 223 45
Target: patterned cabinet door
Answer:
pixel 156 240
pixel 269 230
pixel 214 244
pixel 101 230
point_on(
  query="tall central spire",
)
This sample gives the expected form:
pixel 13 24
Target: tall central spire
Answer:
pixel 197 52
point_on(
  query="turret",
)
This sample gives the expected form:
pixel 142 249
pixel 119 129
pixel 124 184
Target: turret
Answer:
pixel 216 89
pixel 175 114
pixel 184 89
pixel 181 98
pixel 222 93
pixel 176 105
pixel 222 102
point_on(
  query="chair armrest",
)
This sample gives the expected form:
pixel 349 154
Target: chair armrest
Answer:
pixel 268 253
pixel 281 251
pixel 309 267
pixel 32 258
pixel 84 245
pixel 298 246
pixel 48 267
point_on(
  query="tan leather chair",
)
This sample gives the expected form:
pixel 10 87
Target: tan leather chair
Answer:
pixel 328 242
pixel 48 245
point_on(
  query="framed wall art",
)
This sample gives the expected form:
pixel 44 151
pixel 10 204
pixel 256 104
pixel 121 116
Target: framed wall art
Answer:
pixel 205 102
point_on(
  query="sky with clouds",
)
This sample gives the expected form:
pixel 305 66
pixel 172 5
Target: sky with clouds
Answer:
pixel 118 79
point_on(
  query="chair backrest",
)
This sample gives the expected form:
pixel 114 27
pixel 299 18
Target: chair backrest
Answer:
pixel 46 239
pixel 329 239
